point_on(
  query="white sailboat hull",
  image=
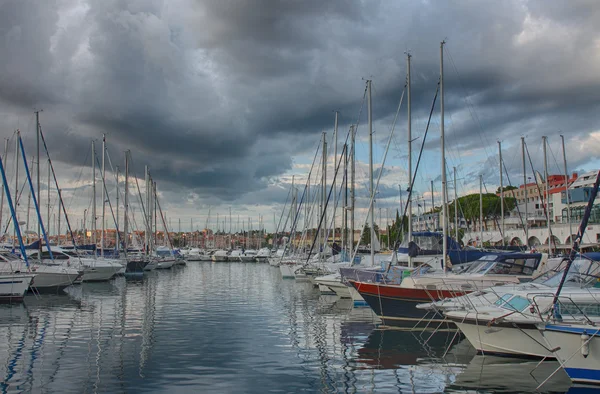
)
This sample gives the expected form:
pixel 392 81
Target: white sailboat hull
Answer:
pixel 570 346
pixel 14 286
pixel 505 340
pixel 288 270
pixel 162 265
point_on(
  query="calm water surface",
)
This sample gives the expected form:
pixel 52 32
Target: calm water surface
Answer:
pixel 233 328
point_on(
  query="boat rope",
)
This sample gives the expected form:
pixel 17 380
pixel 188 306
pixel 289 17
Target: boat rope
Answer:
pixel 60 199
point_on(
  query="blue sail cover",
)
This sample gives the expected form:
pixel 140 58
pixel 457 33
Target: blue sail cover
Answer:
pixel 431 243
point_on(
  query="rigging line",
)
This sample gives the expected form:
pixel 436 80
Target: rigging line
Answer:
pixel 139 191
pixel 397 240
pixel 58 188
pixel 324 208
pixel 470 106
pixel 516 202
pixel 106 196
pixel 78 181
pixel 544 205
pixel 376 187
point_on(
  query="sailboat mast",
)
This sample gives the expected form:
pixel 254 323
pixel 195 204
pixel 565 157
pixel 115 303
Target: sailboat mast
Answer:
pixel 2 198
pixel 335 143
pixel 481 210
pixel 455 207
pixel 93 194
pixel 345 209
pixel 547 194
pixel 103 195
pixel 562 137
pixel 126 206
pixel 409 137
pixel 324 192
pixel 39 195
pixel 48 202
pixel 443 148
pixel 117 247
pixel 16 183
pixel 147 213
pixel 526 225
pixel 501 194
pixel 352 178
pixel 58 218
pixel 371 188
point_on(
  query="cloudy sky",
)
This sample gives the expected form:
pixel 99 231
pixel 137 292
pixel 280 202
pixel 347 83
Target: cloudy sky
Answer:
pixel 226 100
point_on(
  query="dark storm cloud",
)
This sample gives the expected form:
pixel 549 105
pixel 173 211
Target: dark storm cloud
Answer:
pixel 218 96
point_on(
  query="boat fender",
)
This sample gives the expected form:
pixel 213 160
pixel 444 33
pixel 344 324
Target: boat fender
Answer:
pixel 585 344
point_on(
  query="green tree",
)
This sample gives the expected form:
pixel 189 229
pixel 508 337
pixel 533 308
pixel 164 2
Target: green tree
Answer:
pixel 366 236
pixel 468 206
pixel 506 188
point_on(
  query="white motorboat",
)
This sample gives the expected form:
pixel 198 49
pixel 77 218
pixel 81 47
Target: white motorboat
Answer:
pixel 14 286
pixel 94 269
pixel 235 256
pixel 164 263
pixel 263 254
pixel 48 278
pixel 248 256
pixel 577 347
pixel 220 256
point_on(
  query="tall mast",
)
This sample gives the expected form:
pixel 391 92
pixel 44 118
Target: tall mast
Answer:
pixel 371 187
pixel 345 210
pixel 58 220
pixel 526 225
pixel 435 225
pixel 547 194
pixel 481 209
pixel 501 193
pixel 39 195
pixel 48 204
pixel 335 143
pixel 117 243
pixel 409 137
pixel 443 148
pixel 103 195
pixel 455 207
pixel 94 240
pixel 567 188
pixel 324 193
pixel 2 199
pixel 147 213
pixel 29 205
pixel 16 183
pixel 352 190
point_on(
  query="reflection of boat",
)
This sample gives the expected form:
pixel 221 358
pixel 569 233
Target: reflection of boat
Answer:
pixel 503 374
pixel 49 301
pixel 390 349
pixel 396 303
pixel 14 286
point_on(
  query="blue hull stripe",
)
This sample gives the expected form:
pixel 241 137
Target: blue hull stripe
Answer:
pixel 584 375
pixel 573 330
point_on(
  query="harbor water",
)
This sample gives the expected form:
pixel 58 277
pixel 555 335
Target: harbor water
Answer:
pixel 235 328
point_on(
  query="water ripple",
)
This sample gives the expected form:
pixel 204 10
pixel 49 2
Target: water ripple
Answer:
pixel 223 328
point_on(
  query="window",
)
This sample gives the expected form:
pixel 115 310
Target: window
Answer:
pixel 517 303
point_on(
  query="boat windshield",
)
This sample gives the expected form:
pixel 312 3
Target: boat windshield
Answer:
pixel 583 273
pixel 513 303
pixel 8 256
pixel 433 242
pixel 512 265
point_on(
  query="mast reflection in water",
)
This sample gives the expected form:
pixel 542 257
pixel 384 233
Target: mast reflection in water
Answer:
pixel 225 327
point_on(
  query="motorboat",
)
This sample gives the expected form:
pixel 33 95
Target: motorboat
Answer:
pixel 49 278
pixel 395 303
pixel 248 256
pixel 94 269
pixel 263 254
pixel 14 286
pixel 220 256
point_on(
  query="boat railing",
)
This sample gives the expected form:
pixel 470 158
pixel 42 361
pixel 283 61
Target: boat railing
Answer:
pixel 557 313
